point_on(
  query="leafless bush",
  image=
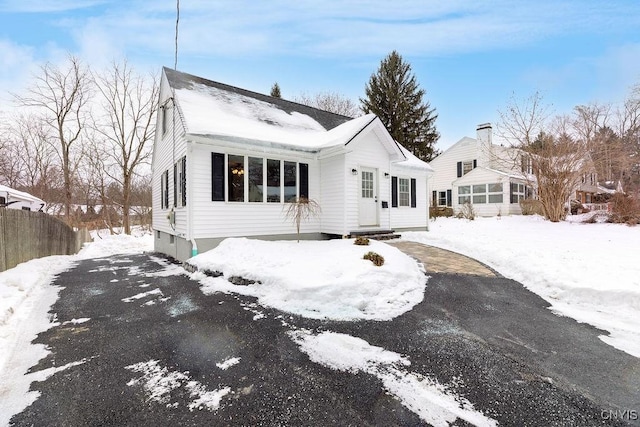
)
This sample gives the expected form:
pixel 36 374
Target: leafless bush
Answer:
pixel 438 211
pixel 467 212
pixel 301 209
pixel 531 207
pixel 624 210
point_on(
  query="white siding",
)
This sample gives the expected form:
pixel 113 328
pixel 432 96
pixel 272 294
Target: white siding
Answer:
pixel 408 217
pixel 366 150
pixel 445 165
pixel 332 176
pixel 168 148
pixel 484 176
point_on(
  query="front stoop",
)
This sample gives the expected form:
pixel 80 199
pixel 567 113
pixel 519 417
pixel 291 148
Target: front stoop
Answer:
pixel 374 234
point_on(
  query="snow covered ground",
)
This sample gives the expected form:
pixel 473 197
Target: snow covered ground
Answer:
pixel 586 271
pixel 317 279
pixel 589 272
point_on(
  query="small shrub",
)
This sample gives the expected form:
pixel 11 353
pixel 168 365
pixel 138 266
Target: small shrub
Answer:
pixel 438 211
pixel 531 207
pixel 624 210
pixel 375 258
pixel 301 209
pixel 466 211
pixel 361 241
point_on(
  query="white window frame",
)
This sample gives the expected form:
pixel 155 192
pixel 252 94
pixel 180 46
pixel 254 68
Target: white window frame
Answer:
pixel 180 180
pixel 520 193
pixel 402 202
pixel 464 196
pixel 467 167
pixel 442 198
pixel 495 194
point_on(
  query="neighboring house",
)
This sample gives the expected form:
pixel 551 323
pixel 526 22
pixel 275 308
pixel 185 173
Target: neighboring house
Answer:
pixel 588 187
pixel 227 161
pixel 14 199
pixel 493 178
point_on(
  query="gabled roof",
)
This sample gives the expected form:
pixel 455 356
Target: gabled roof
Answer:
pixel 215 110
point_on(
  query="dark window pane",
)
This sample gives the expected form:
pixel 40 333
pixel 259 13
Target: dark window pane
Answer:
pixel 394 191
pixel 217 177
pixel 236 178
pixel 414 201
pixel 290 170
pixel 256 173
pixel 273 180
pixel 304 180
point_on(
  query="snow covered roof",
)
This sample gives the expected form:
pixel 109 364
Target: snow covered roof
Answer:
pixel 213 109
pixel 412 161
pixel 21 195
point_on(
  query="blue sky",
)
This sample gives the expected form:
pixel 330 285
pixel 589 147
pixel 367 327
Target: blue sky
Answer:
pixel 469 55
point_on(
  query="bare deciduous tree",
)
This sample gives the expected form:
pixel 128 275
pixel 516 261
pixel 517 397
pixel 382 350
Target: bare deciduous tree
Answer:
pixel 558 159
pixel 61 96
pixel 330 101
pixel 127 126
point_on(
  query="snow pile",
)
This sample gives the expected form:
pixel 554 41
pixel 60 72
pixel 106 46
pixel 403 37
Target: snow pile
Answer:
pixel 104 245
pixel 316 279
pixel 431 401
pixel 586 271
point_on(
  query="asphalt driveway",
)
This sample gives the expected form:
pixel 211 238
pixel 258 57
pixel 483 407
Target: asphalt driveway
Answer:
pixel 142 348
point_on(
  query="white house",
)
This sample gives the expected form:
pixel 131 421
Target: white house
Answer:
pixel 14 199
pixel 492 178
pixel 227 161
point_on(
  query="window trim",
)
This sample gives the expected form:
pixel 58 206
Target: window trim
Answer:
pixel 395 192
pixel 473 195
pixel 404 195
pixel 180 182
pixel 220 173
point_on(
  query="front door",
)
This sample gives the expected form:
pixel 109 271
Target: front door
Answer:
pixel 368 206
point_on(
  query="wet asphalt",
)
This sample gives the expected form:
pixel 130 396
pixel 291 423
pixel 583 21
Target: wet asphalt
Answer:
pixel 487 339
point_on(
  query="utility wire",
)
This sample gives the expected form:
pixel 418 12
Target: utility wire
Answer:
pixel 175 64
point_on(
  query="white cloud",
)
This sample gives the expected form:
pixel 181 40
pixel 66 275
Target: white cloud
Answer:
pixel 18 64
pixel 45 6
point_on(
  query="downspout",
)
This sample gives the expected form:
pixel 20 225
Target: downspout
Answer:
pixel 194 245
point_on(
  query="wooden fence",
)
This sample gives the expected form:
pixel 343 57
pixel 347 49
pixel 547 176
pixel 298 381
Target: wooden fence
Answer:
pixel 26 235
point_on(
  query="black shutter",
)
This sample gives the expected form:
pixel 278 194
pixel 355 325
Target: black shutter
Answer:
pixel 175 185
pixel 217 177
pixel 434 198
pixel 459 165
pixel 413 193
pixel 448 197
pixel 394 191
pixel 304 180
pixel 475 163
pixel 184 181
pixel 512 188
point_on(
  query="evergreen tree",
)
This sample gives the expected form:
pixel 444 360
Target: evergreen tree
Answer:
pixel 275 90
pixel 393 95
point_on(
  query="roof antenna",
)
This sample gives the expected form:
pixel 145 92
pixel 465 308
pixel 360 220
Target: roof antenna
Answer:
pixel 175 64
